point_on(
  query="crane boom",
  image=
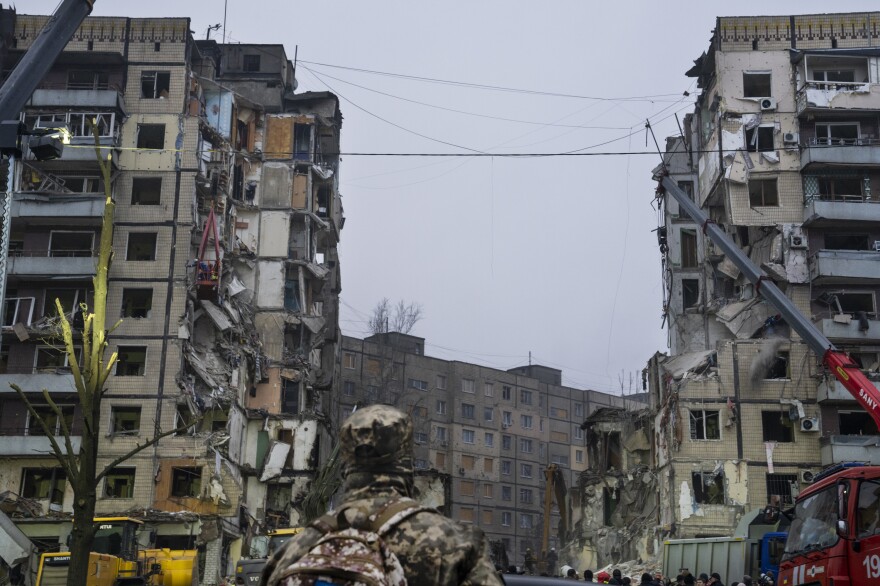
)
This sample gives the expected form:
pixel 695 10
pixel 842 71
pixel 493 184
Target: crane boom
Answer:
pixel 839 363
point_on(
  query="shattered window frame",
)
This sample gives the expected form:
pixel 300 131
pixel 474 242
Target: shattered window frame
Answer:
pixel 701 426
pixel 688 255
pixel 150 136
pixel 774 428
pixel 137 303
pixel 127 363
pixel 138 245
pixel 763 192
pixel 146 191
pixel 760 139
pixel 127 412
pixel 186 482
pixel 757 84
pixel 780 369
pixel 119 483
pixel 708 487
pixel 784 486
pixel 420 438
pixel 43 484
pixel 690 293
pixel 153 83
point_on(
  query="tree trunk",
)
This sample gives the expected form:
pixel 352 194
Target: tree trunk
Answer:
pixel 85 496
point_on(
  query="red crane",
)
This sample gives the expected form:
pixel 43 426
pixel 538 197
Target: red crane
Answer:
pixel 208 270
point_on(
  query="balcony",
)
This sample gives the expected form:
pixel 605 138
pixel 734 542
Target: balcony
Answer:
pixel 846 329
pixel 817 97
pixel 61 383
pixel 832 391
pixel 67 263
pixel 64 96
pixel 850 448
pixel 862 152
pixel 59 207
pixel 820 213
pixel 851 266
pixel 18 444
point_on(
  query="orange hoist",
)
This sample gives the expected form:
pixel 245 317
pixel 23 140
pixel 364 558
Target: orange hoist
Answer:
pixel 208 270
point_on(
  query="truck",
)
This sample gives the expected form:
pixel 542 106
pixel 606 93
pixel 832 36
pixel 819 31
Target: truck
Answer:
pixel 832 539
pixel 754 548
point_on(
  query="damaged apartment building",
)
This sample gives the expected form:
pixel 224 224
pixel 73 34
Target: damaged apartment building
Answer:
pixel 225 276
pixel 782 151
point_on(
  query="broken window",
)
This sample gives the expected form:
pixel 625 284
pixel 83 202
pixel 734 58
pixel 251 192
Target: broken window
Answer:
pixel 290 397
pixel 610 500
pixel 141 246
pixel 783 486
pixel 526 521
pixel 688 188
pixel 51 419
pixel 759 139
pixel 52 359
pixel 847 241
pixel 151 136
pixel 688 248
pixel 119 483
pixel 420 438
pixel 251 63
pixel 780 367
pixel 525 470
pixel 87 79
pixel 763 192
pixel 186 482
pixel 184 420
pixel 132 361
pixel 690 292
pixel 708 488
pixel 155 84
pixel 324 200
pixel 146 191
pixel 837 133
pixel 468 436
pixel 856 423
pixel 525 397
pixel 125 420
pixel 137 303
pixel 704 425
pixel 302 142
pixel 614 451
pixel 525 445
pixel 756 84
pixel 43 483
pixel 66 244
pixel 840 188
pixel 777 427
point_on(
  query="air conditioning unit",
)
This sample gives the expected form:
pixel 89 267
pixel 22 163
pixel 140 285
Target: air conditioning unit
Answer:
pixel 797 240
pixel 807 476
pixel 810 424
pixel 768 104
pixel 790 138
pixel 505 425
pixel 461 471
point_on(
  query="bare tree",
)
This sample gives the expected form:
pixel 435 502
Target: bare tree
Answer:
pixel 399 318
pixel 81 467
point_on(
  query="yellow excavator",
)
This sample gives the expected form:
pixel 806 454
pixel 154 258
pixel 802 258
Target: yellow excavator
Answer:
pixel 117 560
pixel 248 571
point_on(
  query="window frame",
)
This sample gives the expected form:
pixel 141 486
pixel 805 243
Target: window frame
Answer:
pixel 753 94
pixel 760 198
pixel 705 413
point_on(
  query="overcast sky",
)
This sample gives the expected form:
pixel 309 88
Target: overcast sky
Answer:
pixel 507 255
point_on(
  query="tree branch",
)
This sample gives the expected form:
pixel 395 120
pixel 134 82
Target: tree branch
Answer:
pixel 59 455
pixel 65 431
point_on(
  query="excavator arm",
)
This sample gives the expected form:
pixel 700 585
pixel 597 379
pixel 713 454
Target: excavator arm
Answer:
pixel 839 363
pixel 554 489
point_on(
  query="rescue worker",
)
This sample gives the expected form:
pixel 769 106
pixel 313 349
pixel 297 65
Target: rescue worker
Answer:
pixel 551 558
pixel 529 561
pixel 376 446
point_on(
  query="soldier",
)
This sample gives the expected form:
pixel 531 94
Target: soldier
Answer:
pixel 376 448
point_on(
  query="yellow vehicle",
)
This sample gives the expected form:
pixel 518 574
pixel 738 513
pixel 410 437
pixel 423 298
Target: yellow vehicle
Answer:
pixel 248 571
pixel 116 560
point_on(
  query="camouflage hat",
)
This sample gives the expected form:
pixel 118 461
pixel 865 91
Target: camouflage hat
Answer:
pixel 377 439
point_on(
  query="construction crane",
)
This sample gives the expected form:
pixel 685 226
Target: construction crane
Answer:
pixel 553 490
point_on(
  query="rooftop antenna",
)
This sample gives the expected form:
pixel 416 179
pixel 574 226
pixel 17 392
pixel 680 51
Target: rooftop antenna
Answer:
pixel 212 28
pixel 225 4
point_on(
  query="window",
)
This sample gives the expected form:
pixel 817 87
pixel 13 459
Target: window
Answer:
pixel 489 390
pixel 525 397
pixel 51 419
pixel 466 487
pixel 559 459
pixel 43 483
pixel 505 467
pixel 505 392
pixel 559 436
pixel 690 292
pixel 704 425
pixel 65 244
pixel 467 462
pixel 441 407
pixel 610 500
pixel 506 418
pixel 467 385
pixel 783 486
pixel 578 433
pixel 151 136
pixel 526 496
pixel 525 470
pixel 420 464
pixel 132 361
pixel 506 442
pixel 155 84
pixel 847 241
pixel 779 369
pixel 487 515
pixel 525 421
pixel 467 436
pixel 87 79
pixel 420 437
pixel 251 63
pixel 525 521
pixel 184 421
pixel 578 409
pixel 141 246
pixel 688 188
pixel 488 413
pixel 348 360
pixel 833 76
pixel 302 142
pixel 421 385
pixel 756 85
pixel 856 423
pixel 441 382
pixel 488 465
pixel 558 413
pixel 125 420
pixel 186 482
pixel 867 518
pixel 348 388
pixel 119 483
pixel 762 192
pixel 467 410
pixel 708 488
pixel 688 248
pixel 417 411
pixel 80 124
pixel 777 426
pixel 440 433
pixel 525 445
pixel 137 303
pixel 440 460
pixel 840 188
pixel 489 439
pixel 146 191
pixel 506 493
pixel 52 359
pixel 81 183
pixel 579 456
pixel 505 518
pixel 373 367
pixel 759 139
pixel 837 133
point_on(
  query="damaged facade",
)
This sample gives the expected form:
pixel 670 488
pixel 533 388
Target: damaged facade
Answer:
pixel 487 434
pixel 225 275
pixel 781 151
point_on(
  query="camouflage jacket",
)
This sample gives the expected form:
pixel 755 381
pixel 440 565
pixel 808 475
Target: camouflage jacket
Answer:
pixel 433 549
